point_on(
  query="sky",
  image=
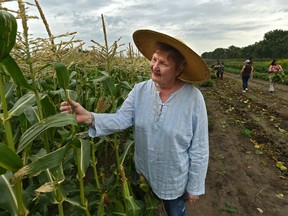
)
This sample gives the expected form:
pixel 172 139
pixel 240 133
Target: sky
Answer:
pixel 203 25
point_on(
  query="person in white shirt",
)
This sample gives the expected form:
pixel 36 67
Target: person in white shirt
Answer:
pixel 169 119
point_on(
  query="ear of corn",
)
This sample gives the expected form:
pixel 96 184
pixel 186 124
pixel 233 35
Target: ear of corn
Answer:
pixel 8 30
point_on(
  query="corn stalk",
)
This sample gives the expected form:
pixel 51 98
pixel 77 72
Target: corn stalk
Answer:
pixel 8 35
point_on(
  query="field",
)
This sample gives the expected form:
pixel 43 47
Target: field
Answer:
pixel 248 146
pixel 49 165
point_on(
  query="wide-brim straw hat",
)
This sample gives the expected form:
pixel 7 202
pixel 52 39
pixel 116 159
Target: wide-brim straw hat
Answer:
pixel 196 69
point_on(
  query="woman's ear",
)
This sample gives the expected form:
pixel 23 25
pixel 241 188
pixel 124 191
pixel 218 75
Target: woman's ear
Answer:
pixel 180 68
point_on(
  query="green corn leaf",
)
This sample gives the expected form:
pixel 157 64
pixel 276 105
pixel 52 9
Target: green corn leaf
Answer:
pixel 9 90
pixel 106 74
pixel 101 207
pixel 23 103
pixel 125 189
pixel 151 204
pixel 8 31
pixel 83 155
pixel 32 115
pixel 58 120
pixel 48 161
pixel 50 179
pixel 2 171
pixel 48 106
pixel 74 203
pixel 132 207
pixel 70 93
pixel 99 79
pixel 15 72
pixel 8 199
pixel 126 85
pixel 109 86
pixel 9 159
pixel 62 74
pixel 127 145
pixel 118 208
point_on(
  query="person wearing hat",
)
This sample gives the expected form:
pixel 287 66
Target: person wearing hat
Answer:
pixel 246 73
pixel 169 119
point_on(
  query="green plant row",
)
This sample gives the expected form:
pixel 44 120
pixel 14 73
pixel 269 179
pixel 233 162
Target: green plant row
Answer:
pixel 48 164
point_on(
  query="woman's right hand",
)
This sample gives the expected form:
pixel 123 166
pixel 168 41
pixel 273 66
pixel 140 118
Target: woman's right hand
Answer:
pixel 82 115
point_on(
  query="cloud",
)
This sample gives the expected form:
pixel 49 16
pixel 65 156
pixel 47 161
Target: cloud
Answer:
pixel 204 25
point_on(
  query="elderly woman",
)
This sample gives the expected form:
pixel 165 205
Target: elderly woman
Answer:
pixel 169 119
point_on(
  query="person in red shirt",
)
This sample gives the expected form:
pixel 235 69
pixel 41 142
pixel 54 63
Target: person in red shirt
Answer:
pixel 272 71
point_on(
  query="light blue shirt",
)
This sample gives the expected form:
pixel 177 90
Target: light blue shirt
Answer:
pixel 171 138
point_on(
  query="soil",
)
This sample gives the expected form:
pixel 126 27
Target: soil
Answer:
pixel 248 136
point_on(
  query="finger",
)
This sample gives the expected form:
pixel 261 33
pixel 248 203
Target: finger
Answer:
pixel 192 200
pixel 72 102
pixel 66 111
pixel 64 103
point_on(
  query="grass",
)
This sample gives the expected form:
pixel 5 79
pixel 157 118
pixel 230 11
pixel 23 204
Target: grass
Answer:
pixel 247 132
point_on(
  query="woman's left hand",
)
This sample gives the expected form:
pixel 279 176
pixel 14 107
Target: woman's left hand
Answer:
pixel 192 198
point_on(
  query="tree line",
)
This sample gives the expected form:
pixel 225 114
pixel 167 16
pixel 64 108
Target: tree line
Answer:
pixel 273 46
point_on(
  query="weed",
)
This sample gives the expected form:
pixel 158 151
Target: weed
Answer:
pixel 228 207
pixel 247 132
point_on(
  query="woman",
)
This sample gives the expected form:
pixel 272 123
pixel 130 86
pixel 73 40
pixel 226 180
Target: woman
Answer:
pixel 169 119
pixel 246 73
pixel 272 70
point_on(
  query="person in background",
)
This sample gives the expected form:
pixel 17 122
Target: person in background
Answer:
pixel 216 68
pixel 246 73
pixel 169 119
pixel 251 60
pixel 221 71
pixel 273 69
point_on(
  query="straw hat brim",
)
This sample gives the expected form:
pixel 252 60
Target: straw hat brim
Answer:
pixel 196 69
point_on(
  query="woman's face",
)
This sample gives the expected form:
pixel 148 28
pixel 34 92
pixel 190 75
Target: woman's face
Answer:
pixel 163 69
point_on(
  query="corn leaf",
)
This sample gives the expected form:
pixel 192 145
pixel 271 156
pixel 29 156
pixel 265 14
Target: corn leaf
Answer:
pixel 48 161
pixel 127 145
pixel 151 204
pixel 8 197
pixel 109 86
pixel 48 106
pixel 58 120
pixel 51 178
pixel 9 160
pixel 132 207
pixel 101 207
pixel 70 93
pixel 15 72
pixel 32 115
pixel 62 74
pixel 9 90
pixel 118 208
pixel 23 103
pixel 83 155
pixel 74 203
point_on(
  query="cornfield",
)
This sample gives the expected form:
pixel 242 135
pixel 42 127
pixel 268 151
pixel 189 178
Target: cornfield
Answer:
pixel 48 163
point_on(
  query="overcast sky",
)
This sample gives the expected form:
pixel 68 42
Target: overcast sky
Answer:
pixel 203 24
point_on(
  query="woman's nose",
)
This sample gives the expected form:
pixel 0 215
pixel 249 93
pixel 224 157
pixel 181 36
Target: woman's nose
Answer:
pixel 155 66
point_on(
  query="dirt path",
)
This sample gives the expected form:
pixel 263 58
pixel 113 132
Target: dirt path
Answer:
pixel 248 136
